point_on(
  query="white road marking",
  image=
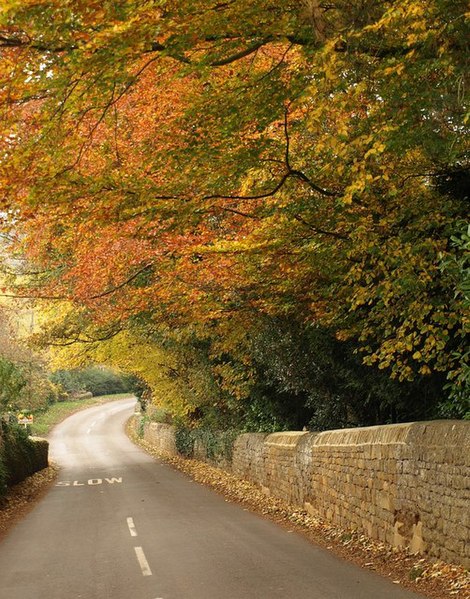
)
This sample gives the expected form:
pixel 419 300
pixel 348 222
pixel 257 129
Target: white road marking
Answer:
pixel 91 482
pixel 143 563
pixel 131 525
pixel 90 427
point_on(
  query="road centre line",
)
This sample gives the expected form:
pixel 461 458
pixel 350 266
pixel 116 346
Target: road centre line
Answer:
pixel 131 525
pixel 143 563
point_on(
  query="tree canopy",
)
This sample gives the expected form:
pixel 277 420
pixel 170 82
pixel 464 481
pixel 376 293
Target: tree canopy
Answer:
pixel 184 175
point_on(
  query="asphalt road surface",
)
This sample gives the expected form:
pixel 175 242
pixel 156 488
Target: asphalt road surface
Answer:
pixel 118 524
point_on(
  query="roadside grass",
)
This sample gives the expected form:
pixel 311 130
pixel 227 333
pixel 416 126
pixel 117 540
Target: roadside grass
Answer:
pixel 45 421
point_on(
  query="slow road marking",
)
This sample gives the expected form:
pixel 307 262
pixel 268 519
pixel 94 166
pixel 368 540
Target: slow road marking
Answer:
pixel 143 563
pixel 91 482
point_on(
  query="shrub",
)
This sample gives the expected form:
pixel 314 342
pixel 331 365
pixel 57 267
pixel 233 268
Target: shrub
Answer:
pixel 96 380
pixel 20 456
pixel 184 439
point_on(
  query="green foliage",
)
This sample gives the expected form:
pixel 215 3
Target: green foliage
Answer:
pixel 216 445
pixel 226 440
pixel 184 440
pixel 24 383
pixel 96 380
pixel 326 385
pixel 297 376
pixel 458 268
pixel 156 414
pixel 141 428
pixel 3 475
pixel 24 386
pixel 12 381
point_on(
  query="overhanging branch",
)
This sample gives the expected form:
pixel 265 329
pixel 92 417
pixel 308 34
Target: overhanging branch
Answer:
pixel 105 293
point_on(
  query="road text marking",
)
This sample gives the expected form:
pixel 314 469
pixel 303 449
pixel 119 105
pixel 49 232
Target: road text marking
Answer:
pixel 131 525
pixel 90 482
pixel 143 563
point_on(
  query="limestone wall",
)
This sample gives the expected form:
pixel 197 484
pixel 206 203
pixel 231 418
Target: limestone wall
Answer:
pixel 162 436
pixel 405 484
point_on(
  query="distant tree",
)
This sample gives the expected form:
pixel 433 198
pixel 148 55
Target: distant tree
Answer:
pixel 24 383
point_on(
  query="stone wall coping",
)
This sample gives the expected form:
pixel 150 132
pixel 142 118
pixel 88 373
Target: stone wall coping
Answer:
pixel 433 433
pixel 440 433
pixel 381 434
pixel 285 439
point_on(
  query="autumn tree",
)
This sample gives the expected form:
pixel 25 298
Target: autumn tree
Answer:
pixel 174 166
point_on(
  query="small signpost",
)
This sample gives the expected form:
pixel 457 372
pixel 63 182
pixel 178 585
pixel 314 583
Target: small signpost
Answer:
pixel 25 420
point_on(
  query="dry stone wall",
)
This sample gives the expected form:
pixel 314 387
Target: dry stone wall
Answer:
pixel 162 436
pixel 407 485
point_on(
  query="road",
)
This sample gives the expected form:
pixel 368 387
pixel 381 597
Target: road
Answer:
pixel 118 524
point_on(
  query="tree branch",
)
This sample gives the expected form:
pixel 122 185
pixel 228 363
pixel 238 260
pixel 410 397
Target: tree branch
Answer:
pixel 321 231
pixel 254 197
pixel 239 55
pixel 88 339
pixel 121 285
pixel 12 40
pixel 105 293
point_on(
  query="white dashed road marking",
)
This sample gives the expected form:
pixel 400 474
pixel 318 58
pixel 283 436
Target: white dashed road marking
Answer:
pixel 143 563
pixel 131 525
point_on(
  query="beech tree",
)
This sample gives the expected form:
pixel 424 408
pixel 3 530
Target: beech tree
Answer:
pixel 173 165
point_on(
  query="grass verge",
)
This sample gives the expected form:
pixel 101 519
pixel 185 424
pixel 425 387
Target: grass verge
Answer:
pixel 44 422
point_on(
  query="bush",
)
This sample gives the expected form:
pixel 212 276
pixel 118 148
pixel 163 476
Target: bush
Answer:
pixel 184 439
pixel 158 415
pixel 95 380
pixel 217 445
pixel 20 456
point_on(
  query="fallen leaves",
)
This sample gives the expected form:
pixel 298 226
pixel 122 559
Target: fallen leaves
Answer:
pixel 22 497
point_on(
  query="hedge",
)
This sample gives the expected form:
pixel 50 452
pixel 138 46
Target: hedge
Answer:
pixel 20 455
